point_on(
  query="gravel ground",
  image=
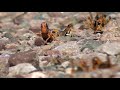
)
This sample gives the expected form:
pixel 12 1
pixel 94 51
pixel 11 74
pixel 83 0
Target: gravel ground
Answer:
pixel 82 54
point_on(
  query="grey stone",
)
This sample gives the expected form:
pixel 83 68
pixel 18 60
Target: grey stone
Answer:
pixel 20 69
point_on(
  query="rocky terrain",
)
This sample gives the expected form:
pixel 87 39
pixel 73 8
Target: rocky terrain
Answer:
pixel 23 53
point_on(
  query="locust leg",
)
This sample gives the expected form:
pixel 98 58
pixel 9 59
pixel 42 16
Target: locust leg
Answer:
pixel 49 35
pixel 38 34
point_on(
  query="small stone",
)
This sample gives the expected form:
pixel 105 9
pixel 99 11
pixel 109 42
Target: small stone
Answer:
pixel 2 46
pixel 87 51
pixel 90 44
pixel 24 57
pixel 39 42
pixel 11 46
pixel 46 47
pixel 68 71
pixel 20 69
pixel 65 64
pixel 43 60
pixel 35 75
pixel 4 66
pixel 111 48
pixel 117 75
pixel 70 48
pixel 8 35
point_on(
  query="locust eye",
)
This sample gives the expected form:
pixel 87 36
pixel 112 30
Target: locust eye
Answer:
pixel 53 31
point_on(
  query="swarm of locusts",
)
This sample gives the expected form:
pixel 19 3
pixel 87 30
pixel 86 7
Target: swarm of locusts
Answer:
pixel 96 23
